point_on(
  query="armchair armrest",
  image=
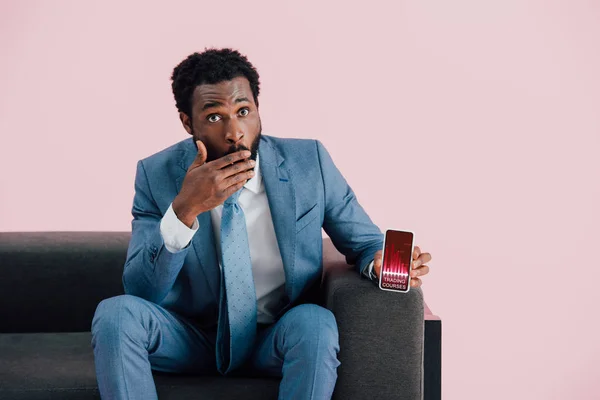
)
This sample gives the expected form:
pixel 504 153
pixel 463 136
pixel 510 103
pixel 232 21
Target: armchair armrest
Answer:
pixel 381 337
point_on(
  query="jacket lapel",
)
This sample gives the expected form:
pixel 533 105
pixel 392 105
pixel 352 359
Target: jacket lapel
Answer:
pixel 204 246
pixel 282 202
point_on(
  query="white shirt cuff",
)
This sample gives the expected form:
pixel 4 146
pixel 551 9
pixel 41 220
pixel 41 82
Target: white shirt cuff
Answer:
pixel 368 269
pixel 176 235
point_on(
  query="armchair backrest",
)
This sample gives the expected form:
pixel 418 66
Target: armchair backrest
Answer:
pixel 53 281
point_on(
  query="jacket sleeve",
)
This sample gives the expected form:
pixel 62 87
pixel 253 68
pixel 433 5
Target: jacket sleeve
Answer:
pixel 345 221
pixel 150 269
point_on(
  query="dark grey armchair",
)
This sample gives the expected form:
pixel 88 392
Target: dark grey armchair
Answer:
pixel 51 283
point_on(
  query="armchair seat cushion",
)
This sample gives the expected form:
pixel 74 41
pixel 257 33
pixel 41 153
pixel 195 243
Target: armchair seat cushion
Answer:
pixel 61 366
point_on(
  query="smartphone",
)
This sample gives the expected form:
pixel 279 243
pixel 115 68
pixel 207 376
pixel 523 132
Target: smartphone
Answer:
pixel 396 263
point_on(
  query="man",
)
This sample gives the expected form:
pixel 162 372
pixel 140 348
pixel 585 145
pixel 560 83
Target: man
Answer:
pixel 226 246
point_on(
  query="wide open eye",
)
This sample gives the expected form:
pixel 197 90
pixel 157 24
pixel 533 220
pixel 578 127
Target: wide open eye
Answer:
pixel 244 112
pixel 213 118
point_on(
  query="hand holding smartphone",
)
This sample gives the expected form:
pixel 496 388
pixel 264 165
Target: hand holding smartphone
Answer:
pixel 398 247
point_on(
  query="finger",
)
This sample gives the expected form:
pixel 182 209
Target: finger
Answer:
pixel 415 282
pixel 202 153
pixel 236 168
pixel 232 189
pixel 229 159
pixel 243 177
pixel 425 258
pixel 424 270
pixel 416 252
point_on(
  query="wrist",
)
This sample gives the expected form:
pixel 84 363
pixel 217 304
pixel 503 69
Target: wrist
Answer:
pixel 183 212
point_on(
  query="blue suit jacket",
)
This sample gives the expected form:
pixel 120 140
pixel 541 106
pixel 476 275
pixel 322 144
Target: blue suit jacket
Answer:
pixel 305 191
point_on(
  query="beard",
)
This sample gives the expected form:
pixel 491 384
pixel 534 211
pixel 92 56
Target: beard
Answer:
pixel 253 147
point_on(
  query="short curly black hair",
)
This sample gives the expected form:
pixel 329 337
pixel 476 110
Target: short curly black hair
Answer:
pixel 211 66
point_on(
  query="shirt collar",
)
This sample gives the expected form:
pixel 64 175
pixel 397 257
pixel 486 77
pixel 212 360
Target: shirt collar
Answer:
pixel 254 184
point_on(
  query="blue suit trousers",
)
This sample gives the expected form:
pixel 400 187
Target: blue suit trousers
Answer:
pixel 132 336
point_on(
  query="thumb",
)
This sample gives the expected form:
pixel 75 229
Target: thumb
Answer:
pixel 377 263
pixel 202 153
pixel 377 266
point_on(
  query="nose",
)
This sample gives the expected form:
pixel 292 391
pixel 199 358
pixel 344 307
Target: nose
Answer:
pixel 234 132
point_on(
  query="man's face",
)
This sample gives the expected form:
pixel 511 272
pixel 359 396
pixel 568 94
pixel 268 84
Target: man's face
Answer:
pixel 225 118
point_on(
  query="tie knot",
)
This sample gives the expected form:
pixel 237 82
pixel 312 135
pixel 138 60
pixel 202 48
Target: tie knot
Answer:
pixel 233 199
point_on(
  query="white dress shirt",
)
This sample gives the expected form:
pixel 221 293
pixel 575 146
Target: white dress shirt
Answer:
pixel 267 265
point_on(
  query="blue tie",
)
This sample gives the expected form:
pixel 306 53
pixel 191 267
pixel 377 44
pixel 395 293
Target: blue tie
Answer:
pixel 237 304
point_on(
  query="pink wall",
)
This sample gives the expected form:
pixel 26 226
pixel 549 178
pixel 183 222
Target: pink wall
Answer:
pixel 493 108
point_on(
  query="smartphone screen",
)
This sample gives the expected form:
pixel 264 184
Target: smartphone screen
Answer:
pixel 397 257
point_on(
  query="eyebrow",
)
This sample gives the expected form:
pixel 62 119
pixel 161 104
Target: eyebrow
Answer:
pixel 212 104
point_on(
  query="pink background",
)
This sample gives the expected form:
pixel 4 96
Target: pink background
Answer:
pixel 492 107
